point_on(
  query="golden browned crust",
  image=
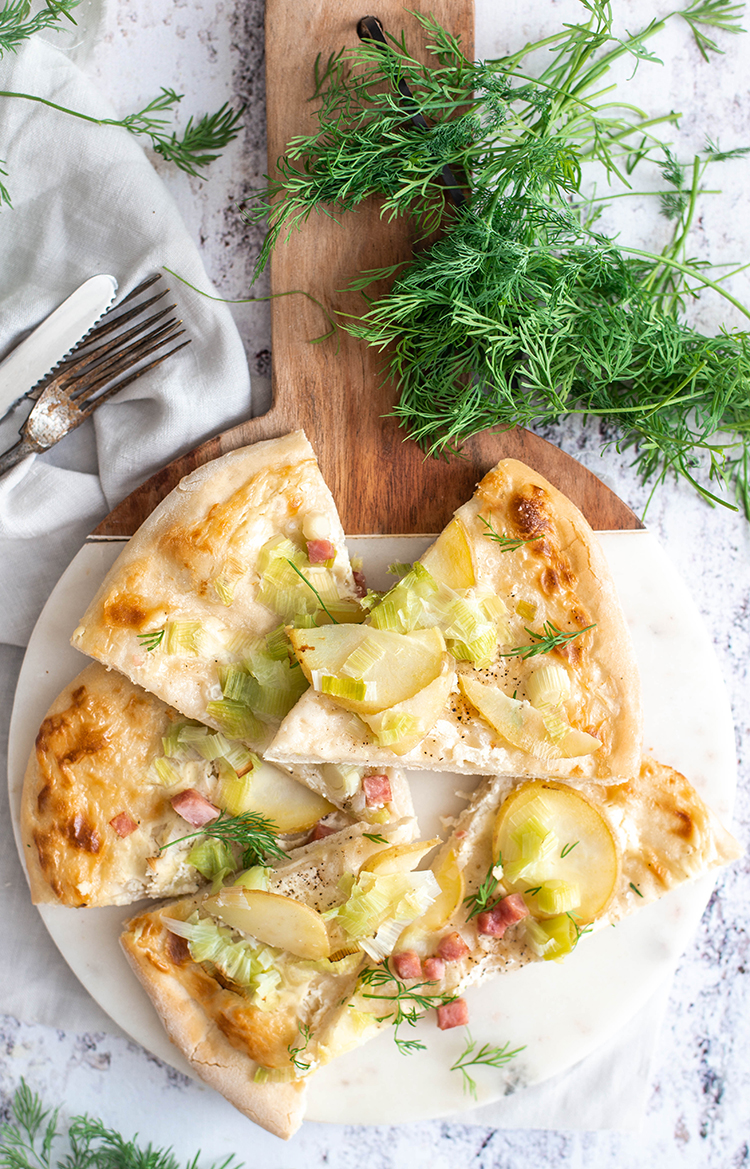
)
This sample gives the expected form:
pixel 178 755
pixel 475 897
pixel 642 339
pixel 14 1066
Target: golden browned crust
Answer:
pixel 194 560
pixel 675 836
pixel 90 765
pixel 188 1004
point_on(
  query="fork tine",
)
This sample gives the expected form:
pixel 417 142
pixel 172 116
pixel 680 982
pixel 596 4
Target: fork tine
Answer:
pixel 94 403
pixel 112 365
pixel 108 324
pixel 74 368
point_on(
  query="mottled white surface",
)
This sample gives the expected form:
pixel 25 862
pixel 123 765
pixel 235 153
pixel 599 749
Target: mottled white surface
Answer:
pixel 698 1108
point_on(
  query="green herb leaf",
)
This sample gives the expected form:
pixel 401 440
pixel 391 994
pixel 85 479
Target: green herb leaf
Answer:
pixel 375 837
pixel 408 1003
pixel 484 898
pixel 302 1065
pixel 152 640
pixel 568 848
pixel 192 152
pixel 522 313
pixel 17 25
pixel 545 642
pixel 26 1142
pixel 488 1055
pixel 254 833
pixel 321 602
pixel 507 543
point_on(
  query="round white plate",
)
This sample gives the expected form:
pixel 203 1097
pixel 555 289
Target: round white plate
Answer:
pixel 558 1013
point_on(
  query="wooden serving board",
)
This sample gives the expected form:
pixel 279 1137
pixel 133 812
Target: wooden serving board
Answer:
pixel 334 390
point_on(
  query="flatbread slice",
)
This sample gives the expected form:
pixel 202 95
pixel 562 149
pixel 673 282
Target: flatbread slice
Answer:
pixel 256 1010
pixel 517 571
pixel 242 545
pixel 116 775
pixel 533 865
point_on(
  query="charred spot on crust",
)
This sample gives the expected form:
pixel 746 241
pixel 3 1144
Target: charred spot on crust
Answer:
pixel 90 742
pixel 83 835
pixel 129 612
pixel 684 825
pixel 549 581
pixel 571 652
pixel 528 511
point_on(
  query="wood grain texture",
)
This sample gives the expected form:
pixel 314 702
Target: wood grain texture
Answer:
pixel 334 390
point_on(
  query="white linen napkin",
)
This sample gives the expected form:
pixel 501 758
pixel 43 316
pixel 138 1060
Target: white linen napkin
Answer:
pixel 86 200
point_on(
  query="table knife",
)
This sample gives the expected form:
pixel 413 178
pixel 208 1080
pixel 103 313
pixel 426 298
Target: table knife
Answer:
pixel 53 338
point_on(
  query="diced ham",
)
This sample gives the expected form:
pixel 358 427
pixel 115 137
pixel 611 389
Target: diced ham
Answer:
pixel 454 1014
pixel 494 922
pixel 123 824
pixel 433 968
pixel 194 807
pixel 514 907
pixel 377 789
pixel 360 584
pixel 322 830
pixel 318 551
pixel 407 964
pixel 452 947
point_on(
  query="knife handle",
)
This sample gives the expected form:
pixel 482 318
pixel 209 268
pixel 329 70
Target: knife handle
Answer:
pixel 16 453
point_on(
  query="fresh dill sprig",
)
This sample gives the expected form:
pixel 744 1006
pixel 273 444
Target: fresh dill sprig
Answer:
pixel 507 543
pixel 192 152
pixel 488 1054
pixel 580 930
pixel 635 889
pixel 201 142
pixel 543 643
pixel 26 1142
pixel 484 897
pixel 152 640
pixel 375 837
pixel 568 849
pixel 295 1052
pixel 254 833
pixel 522 314
pixel 17 24
pixel 409 1003
pixel 313 589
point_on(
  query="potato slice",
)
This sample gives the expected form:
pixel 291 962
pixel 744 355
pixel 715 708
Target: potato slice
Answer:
pixel 518 722
pixel 449 559
pixel 450 878
pixel 398 666
pixel 416 715
pixel 591 859
pixel 288 804
pixel 270 918
pixel 399 858
pixel 522 725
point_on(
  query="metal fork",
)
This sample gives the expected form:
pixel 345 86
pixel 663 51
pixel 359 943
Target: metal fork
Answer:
pixel 87 378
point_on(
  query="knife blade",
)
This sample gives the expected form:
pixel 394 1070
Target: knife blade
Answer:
pixel 54 338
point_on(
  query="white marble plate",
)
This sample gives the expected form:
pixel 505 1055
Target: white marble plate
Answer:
pixel 558 1012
